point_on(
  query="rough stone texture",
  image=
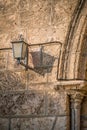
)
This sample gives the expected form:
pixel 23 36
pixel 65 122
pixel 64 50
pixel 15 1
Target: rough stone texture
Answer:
pixel 25 14
pixel 4 124
pixel 7 62
pixel 46 87
pixel 45 123
pixel 52 76
pixel 3 57
pixel 62 126
pixel 31 103
pixel 37 99
pixel 35 77
pixel 55 106
pixel 10 80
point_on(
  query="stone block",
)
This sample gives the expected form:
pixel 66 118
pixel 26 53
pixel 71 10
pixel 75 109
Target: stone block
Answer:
pixel 5 40
pixel 10 80
pixel 52 74
pixel 23 124
pixel 37 12
pixel 62 123
pixel 38 75
pixel 7 7
pixel 59 8
pixel 26 19
pixel 29 103
pixel 56 35
pixel 41 86
pixel 37 87
pixel 40 13
pixel 23 5
pixel 33 124
pixel 45 123
pixel 56 103
pixel 9 23
pixel 39 35
pixel 62 11
pixel 3 60
pixel 7 61
pixel 46 34
pixel 4 124
pixel 12 63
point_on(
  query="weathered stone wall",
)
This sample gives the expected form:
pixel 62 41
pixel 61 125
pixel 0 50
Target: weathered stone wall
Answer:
pixel 31 100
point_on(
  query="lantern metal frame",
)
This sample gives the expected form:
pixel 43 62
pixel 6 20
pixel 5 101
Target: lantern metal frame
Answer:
pixel 18 42
pixel 21 59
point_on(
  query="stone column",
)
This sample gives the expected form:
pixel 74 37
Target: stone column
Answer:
pixel 76 100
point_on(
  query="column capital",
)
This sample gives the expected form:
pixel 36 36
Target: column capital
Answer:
pixel 76 99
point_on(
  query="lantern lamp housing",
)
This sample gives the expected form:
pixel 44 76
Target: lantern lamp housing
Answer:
pixel 20 52
pixel 19 49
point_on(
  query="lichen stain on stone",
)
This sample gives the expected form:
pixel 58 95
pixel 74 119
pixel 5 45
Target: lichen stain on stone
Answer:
pixel 30 103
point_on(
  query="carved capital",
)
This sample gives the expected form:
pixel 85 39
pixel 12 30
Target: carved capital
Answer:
pixel 76 99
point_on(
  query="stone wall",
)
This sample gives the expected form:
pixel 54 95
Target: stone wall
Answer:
pixel 31 100
pixel 33 110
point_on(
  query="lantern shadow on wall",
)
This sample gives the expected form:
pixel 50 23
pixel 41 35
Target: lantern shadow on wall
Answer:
pixel 42 61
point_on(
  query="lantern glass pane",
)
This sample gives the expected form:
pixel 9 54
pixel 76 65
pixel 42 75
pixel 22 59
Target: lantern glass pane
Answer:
pixel 17 49
pixel 24 49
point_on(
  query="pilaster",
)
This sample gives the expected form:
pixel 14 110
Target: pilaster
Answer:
pixel 76 99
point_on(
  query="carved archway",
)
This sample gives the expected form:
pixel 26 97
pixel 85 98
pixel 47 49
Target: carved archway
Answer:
pixel 74 51
pixel 73 60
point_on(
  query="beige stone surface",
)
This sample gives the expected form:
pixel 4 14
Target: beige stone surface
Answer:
pixel 45 87
pixel 62 126
pixel 10 80
pixel 56 103
pixel 23 124
pixel 52 75
pixel 31 103
pixel 3 60
pixel 41 19
pixel 37 76
pixel 30 98
pixel 45 123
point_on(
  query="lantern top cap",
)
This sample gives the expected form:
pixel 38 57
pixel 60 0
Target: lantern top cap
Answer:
pixel 19 41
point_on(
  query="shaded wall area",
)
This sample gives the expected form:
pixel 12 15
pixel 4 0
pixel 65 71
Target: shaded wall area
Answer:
pixel 84 114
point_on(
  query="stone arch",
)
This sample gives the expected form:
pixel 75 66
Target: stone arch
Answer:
pixel 73 51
